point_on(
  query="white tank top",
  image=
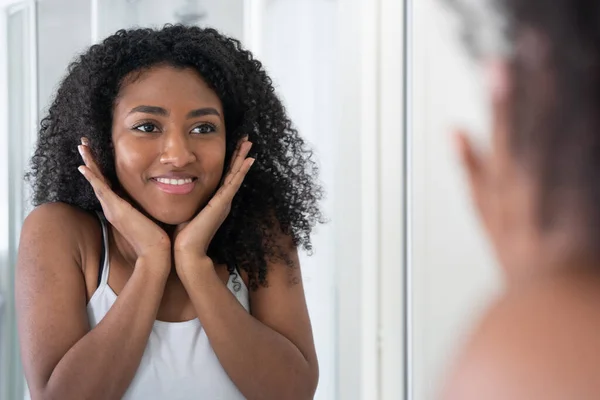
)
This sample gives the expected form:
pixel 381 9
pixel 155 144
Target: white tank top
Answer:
pixel 178 362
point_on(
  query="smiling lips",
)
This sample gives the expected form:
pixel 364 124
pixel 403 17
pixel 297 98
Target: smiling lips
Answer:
pixel 175 184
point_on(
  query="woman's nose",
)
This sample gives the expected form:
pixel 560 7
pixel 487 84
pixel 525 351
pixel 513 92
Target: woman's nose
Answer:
pixel 177 150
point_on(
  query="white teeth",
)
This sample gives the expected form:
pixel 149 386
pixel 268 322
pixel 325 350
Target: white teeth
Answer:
pixel 175 182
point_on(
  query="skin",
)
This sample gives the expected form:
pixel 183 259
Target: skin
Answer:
pixel 159 272
pixel 539 339
pixel 148 143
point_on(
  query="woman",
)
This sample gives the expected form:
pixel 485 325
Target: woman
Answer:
pixel 538 194
pixel 160 261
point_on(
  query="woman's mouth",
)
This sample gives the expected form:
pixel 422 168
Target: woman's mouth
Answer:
pixel 175 185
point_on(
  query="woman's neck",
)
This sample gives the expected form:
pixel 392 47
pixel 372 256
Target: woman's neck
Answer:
pixel 126 252
pixel 553 255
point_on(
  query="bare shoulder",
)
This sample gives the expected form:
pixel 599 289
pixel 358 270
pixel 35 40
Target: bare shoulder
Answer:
pixel 54 226
pixel 539 342
pixel 51 293
pixel 58 214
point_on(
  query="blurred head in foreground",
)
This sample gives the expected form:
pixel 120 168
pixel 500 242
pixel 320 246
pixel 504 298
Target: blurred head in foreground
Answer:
pixel 538 190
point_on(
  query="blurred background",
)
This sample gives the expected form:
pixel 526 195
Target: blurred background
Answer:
pixel 402 269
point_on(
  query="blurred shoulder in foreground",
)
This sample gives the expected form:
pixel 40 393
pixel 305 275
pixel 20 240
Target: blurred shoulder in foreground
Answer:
pixel 537 342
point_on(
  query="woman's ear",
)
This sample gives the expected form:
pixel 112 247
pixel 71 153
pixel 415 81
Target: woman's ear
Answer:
pixel 499 85
pixel 475 171
pixel 484 170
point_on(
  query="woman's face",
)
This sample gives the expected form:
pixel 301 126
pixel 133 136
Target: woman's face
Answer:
pixel 168 134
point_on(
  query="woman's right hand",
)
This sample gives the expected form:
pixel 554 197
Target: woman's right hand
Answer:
pixel 145 237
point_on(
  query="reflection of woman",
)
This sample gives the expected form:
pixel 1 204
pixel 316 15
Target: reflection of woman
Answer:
pixel 178 288
pixel 538 194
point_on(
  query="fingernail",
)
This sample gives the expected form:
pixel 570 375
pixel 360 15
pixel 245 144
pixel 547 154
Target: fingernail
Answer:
pixel 81 169
pixel 85 141
pixel 252 162
pixel 80 149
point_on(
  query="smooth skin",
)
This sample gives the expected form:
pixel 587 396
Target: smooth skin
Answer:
pixel 539 339
pixel 157 273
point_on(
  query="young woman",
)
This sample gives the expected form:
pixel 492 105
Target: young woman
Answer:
pixel 538 195
pixel 160 262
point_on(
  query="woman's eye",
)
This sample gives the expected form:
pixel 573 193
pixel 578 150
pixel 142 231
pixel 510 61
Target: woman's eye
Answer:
pixel 204 129
pixel 147 128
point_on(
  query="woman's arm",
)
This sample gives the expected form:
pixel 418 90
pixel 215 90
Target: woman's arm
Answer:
pixel 62 357
pixel 269 354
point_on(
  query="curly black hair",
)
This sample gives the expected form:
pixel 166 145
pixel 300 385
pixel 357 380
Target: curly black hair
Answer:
pixel 280 193
pixel 554 60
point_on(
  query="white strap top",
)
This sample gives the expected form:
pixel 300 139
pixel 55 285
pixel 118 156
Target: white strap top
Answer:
pixel 178 363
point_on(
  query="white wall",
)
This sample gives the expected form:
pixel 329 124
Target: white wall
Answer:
pixel 225 15
pixel 4 214
pixel 58 46
pixel 18 94
pixel 298 42
pixel 453 274
pixel 369 216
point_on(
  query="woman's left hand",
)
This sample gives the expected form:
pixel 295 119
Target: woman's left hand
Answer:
pixel 192 238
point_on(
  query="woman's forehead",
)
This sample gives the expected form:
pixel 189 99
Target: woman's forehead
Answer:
pixel 167 87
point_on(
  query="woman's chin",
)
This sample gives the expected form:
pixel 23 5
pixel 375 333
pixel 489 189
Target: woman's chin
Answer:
pixel 175 217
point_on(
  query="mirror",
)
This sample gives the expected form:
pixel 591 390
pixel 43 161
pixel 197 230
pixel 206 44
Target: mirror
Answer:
pixel 322 58
pixel 401 269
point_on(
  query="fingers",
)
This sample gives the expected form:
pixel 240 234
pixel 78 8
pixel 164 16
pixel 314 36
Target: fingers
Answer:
pixel 121 214
pixel 206 224
pixel 138 230
pixel 230 188
pixel 88 158
pixel 237 161
pixel 101 189
pixel 237 150
pixel 108 199
pixel 215 212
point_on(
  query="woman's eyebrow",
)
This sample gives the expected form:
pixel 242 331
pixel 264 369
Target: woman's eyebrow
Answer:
pixel 200 112
pixel 150 110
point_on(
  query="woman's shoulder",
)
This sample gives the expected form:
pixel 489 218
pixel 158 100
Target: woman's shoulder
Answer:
pixel 57 236
pixel 62 217
pixel 67 226
pixel 531 332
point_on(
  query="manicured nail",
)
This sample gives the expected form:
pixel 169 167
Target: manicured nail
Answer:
pixel 81 169
pixel 80 149
pixel 252 162
pixel 85 141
